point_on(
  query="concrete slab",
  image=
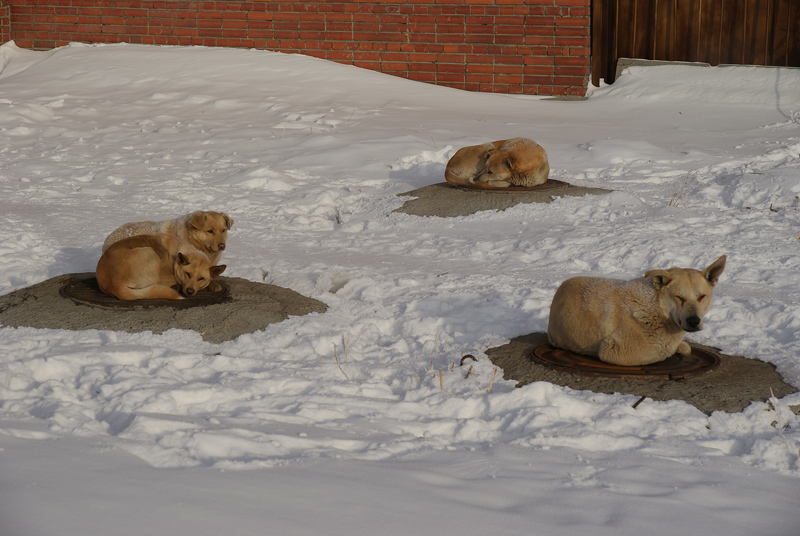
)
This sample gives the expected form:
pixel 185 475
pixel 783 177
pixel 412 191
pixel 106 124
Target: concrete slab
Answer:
pixel 733 386
pixel 251 307
pixel 447 201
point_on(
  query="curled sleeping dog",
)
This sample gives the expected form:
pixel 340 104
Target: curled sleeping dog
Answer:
pixel 499 164
pixel 148 266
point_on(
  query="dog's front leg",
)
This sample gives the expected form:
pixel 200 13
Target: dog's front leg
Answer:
pixel 610 352
pixel 214 286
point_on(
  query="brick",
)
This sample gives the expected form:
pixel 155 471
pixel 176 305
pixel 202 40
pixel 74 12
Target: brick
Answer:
pixel 449 38
pixel 115 21
pixel 573 41
pixel 479 68
pixel 450 68
pixel 211 23
pixel 578 51
pixel 538 80
pixel 451 58
pixel 571 70
pixel 572 21
pixel 572 61
pixel 572 31
pixel 538 60
pixel 422 67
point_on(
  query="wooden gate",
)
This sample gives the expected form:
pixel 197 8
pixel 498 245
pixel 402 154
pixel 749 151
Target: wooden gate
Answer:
pixel 747 32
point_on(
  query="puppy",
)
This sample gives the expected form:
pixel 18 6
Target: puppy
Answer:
pixel 499 164
pixel 205 230
pixel 632 322
pixel 148 266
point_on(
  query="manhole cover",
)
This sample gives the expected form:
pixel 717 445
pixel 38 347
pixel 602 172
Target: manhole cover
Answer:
pixel 549 185
pixel 83 289
pixel 676 367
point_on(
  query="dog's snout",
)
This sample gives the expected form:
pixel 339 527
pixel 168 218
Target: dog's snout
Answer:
pixel 221 245
pixel 693 322
pixel 189 291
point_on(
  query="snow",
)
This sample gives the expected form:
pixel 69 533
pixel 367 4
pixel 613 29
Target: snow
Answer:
pixel 107 432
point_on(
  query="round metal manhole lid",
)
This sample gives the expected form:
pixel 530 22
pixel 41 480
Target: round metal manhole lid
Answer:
pixel 676 367
pixel 83 289
pixel 549 185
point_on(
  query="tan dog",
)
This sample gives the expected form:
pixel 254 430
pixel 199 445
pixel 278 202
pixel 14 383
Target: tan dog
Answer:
pixel 148 266
pixel 632 322
pixel 499 164
pixel 205 230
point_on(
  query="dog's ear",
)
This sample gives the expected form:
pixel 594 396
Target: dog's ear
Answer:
pixel 714 270
pixel 182 259
pixel 228 221
pixel 661 278
pixel 198 220
pixel 216 270
pixel 509 162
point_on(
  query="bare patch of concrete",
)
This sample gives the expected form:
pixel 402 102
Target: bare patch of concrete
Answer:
pixel 250 307
pixel 733 386
pixel 447 201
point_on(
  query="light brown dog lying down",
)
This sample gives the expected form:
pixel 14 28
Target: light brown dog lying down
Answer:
pixel 148 266
pixel 499 164
pixel 205 230
pixel 632 322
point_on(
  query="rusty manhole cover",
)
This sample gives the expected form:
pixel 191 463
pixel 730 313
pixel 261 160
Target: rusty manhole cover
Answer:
pixel 676 367
pixel 549 185
pixel 83 289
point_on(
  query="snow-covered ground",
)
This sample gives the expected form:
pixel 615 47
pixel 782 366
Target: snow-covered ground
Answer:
pixel 116 433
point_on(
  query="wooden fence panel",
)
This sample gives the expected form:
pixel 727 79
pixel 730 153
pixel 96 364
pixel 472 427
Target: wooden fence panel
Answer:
pixel 793 36
pixel 709 46
pixel 749 32
pixel 780 21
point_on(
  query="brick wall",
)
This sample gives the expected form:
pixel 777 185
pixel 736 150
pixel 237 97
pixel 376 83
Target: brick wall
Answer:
pixel 5 20
pixel 504 46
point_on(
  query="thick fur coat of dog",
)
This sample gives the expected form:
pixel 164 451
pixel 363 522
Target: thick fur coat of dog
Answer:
pixel 205 230
pixel 499 164
pixel 148 266
pixel 632 322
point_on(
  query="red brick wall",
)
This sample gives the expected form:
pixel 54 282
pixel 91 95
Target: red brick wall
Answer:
pixel 504 46
pixel 5 20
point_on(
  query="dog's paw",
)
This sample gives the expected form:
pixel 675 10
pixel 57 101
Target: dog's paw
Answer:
pixel 495 184
pixel 214 287
pixel 684 348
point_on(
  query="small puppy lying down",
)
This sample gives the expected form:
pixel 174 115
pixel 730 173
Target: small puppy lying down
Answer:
pixel 205 230
pixel 632 322
pixel 499 164
pixel 148 266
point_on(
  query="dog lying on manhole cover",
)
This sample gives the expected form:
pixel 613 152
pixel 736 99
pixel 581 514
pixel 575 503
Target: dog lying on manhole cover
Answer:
pixel 632 323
